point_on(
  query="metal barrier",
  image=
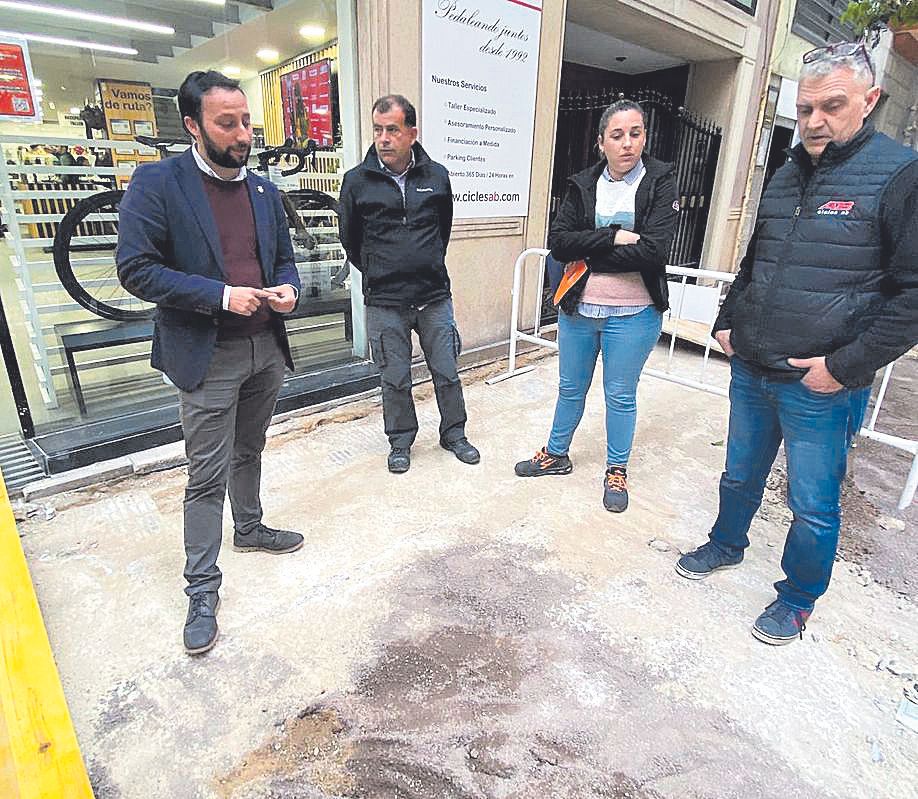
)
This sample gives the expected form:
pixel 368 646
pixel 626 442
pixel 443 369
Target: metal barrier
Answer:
pixel 704 314
pixel 706 322
pixel 516 334
pixel 677 319
pixel 908 445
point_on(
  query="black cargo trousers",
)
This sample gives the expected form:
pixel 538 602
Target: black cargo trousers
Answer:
pixel 389 332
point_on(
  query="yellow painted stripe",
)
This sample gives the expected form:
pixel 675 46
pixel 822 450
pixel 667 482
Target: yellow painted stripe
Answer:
pixel 39 754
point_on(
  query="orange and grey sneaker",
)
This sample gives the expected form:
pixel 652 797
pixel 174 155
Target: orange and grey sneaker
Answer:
pixel 615 489
pixel 543 462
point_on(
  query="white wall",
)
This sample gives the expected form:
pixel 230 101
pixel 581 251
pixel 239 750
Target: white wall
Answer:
pixel 40 129
pixel 899 80
pixel 252 89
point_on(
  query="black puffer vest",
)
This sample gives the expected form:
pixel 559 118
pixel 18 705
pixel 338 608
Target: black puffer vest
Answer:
pixel 818 274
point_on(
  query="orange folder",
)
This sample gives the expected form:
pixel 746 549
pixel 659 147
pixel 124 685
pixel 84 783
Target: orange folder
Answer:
pixel 573 272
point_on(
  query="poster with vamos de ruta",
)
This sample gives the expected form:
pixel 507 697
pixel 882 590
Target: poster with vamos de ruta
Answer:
pixel 479 64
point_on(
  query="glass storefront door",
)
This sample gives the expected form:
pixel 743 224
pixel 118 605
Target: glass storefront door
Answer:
pixel 82 345
pixel 15 418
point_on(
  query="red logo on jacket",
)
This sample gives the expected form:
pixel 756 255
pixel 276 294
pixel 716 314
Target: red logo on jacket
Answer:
pixel 835 208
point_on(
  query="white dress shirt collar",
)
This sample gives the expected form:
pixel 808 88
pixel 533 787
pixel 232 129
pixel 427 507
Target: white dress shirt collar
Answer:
pixel 205 167
pixel 396 175
pixel 630 176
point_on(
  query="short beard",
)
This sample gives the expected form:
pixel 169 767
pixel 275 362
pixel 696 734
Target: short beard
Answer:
pixel 224 158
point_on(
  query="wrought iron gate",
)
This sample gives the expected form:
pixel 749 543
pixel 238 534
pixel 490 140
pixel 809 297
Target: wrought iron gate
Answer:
pixel 673 134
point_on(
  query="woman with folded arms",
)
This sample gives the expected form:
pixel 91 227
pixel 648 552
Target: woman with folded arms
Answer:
pixel 619 217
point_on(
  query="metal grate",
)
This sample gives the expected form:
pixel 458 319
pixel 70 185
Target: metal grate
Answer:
pixel 674 134
pixel 817 21
pixel 17 464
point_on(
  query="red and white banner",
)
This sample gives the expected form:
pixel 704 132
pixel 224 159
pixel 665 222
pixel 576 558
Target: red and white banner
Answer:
pixel 18 101
pixel 307 104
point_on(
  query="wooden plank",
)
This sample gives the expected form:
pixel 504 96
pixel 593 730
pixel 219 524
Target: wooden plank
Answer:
pixel 39 754
pixel 687 330
pixel 9 784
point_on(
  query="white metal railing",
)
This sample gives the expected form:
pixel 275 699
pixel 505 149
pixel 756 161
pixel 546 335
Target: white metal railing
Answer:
pixel 705 300
pixel 908 445
pixel 685 297
pixel 25 185
pixel 88 171
pixel 706 309
pixel 72 141
pixel 517 335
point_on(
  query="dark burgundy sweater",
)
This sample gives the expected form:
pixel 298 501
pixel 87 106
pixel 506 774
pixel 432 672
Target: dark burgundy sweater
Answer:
pixel 232 209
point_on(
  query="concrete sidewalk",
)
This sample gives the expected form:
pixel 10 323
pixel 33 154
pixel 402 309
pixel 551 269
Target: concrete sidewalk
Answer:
pixel 459 632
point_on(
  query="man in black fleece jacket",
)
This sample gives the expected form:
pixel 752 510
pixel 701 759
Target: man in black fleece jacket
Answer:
pixel 394 218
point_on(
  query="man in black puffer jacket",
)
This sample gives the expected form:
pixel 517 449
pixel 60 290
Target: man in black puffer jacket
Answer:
pixel 394 219
pixel 826 295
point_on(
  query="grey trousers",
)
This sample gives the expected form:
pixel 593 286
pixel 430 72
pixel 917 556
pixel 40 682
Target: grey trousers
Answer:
pixel 389 332
pixel 224 421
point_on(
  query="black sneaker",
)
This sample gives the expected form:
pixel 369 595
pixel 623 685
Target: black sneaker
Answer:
pixel 399 460
pixel 267 539
pixel 200 633
pixel 615 489
pixel 463 450
pixel 704 561
pixel 780 624
pixel 543 462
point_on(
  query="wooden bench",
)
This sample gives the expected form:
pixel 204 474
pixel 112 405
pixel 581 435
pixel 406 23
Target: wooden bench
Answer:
pixel 95 334
pixel 318 306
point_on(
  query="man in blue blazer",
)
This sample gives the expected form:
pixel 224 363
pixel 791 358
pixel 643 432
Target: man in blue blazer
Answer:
pixel 208 242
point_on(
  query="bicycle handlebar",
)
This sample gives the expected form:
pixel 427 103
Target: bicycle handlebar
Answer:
pixel 273 155
pixel 266 158
pixel 159 144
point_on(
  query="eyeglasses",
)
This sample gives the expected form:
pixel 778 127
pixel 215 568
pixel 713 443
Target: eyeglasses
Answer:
pixel 840 50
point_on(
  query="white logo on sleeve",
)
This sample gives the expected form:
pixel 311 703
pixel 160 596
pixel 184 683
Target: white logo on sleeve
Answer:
pixel 424 188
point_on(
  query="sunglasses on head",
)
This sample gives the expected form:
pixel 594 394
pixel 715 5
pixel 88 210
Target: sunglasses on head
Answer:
pixel 840 50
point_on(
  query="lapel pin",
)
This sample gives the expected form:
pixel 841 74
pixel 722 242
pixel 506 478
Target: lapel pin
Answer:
pixel 261 189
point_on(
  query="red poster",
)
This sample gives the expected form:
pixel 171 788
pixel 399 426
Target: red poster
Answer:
pixel 307 104
pixel 17 100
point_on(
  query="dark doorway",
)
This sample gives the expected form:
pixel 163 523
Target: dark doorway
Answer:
pixel 781 139
pixel 590 90
pixel 674 134
pixel 671 82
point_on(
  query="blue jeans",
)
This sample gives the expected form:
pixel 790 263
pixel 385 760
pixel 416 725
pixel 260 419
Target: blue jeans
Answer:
pixel 625 342
pixel 817 430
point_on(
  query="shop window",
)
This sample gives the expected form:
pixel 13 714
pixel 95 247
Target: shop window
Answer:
pixel 748 6
pixel 84 369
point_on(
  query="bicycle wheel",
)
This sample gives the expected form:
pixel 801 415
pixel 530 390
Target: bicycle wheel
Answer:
pixel 320 211
pixel 312 200
pixel 321 265
pixel 84 259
